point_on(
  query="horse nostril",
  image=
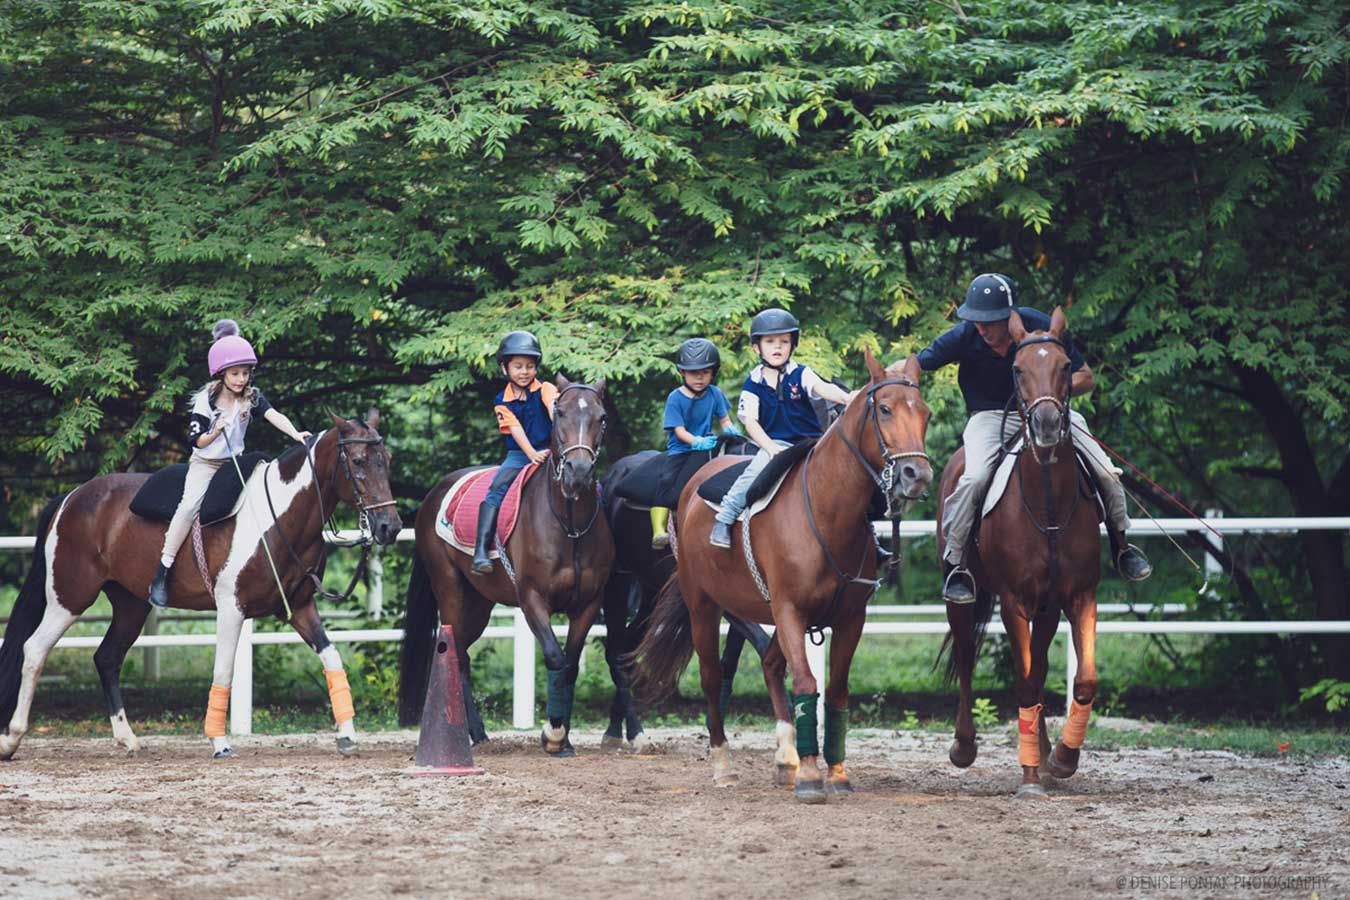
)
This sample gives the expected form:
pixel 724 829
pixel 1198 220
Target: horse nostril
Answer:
pixel 910 472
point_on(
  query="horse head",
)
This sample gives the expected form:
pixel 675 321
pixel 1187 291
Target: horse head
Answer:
pixel 363 463
pixel 578 429
pixel 1042 379
pixel 899 422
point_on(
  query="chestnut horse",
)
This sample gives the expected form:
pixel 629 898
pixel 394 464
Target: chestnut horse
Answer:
pixel 1038 553
pixel 89 541
pixel 818 559
pixel 561 552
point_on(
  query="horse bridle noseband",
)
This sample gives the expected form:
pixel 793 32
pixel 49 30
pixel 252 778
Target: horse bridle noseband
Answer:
pixel 884 479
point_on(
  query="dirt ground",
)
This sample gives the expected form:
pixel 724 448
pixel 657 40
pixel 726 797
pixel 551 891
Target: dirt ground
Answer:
pixel 289 817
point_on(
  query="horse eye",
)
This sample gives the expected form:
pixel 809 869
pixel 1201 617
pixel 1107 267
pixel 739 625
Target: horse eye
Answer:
pixel 885 410
pixel 604 420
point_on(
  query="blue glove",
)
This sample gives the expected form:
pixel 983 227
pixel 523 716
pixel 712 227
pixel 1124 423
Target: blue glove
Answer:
pixel 732 430
pixel 707 442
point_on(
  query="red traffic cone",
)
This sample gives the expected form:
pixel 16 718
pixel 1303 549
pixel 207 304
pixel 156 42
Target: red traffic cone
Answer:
pixel 443 747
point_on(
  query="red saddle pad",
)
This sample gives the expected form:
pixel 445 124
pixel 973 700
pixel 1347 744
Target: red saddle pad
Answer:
pixel 462 511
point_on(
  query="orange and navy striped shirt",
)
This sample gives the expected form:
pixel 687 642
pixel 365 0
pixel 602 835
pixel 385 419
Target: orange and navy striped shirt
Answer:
pixel 530 412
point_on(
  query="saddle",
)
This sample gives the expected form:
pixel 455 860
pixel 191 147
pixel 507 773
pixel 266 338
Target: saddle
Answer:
pixel 765 486
pixel 1004 470
pixel 159 497
pixel 457 519
pixel 640 488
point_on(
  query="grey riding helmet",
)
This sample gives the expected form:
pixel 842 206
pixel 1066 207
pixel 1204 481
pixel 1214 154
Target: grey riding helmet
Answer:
pixel 775 321
pixel 519 343
pixel 696 354
pixel 990 298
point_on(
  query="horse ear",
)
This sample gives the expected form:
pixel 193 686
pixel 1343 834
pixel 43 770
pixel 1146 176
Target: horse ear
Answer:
pixel 1016 330
pixel 1058 323
pixel 561 382
pixel 912 369
pixel 874 368
pixel 600 388
pixel 338 421
pixel 373 419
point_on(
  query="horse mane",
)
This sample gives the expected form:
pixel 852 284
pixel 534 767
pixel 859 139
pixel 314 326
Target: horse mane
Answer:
pixel 292 461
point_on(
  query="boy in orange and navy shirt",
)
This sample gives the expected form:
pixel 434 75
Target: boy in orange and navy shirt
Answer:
pixel 524 411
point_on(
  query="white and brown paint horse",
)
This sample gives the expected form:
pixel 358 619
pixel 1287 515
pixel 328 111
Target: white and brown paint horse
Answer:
pixel 89 541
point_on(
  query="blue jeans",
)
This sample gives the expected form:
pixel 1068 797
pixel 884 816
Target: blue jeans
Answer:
pixel 501 482
pixel 734 502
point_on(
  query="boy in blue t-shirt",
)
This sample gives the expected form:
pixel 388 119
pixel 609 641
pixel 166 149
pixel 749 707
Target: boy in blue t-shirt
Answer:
pixel 775 406
pixel 690 411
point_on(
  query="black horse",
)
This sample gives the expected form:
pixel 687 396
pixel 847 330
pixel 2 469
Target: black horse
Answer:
pixel 639 572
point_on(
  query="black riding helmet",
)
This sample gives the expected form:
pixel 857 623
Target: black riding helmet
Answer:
pixel 519 343
pixel 990 298
pixel 775 321
pixel 696 354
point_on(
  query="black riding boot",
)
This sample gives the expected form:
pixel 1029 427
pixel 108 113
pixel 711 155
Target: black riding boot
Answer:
pixel 487 524
pixel 1130 561
pixel 957 584
pixel 159 588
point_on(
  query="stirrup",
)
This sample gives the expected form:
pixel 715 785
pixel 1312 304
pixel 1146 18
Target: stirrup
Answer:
pixel 1148 566
pixel 948 588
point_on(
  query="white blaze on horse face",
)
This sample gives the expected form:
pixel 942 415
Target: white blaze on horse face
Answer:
pixel 1042 352
pixel 581 403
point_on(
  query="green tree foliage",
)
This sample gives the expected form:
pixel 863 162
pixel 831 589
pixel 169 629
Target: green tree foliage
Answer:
pixel 377 189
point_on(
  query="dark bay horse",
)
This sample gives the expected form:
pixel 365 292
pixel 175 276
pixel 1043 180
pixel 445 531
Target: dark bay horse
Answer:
pixel 1038 554
pixel 814 548
pixel 640 571
pixel 89 541
pixel 561 551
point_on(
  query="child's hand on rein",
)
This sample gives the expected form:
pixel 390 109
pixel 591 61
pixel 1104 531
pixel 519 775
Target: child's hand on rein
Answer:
pixel 302 436
pixel 539 457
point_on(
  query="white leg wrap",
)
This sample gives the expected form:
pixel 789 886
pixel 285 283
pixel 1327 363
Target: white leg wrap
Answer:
pixel 122 732
pixel 721 760
pixel 786 754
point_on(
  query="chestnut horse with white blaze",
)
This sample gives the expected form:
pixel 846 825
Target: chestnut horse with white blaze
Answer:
pixel 89 541
pixel 814 547
pixel 1038 553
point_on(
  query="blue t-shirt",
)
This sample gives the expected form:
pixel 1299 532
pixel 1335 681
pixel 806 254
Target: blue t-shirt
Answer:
pixel 696 416
pixel 984 376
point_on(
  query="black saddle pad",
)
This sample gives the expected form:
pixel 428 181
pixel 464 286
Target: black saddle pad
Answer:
pixel 716 487
pixel 642 484
pixel 159 496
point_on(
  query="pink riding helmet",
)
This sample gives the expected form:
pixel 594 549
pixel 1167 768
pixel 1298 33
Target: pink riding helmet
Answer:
pixel 229 348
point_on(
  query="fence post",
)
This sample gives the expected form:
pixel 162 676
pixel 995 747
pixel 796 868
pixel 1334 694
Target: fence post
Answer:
pixel 375 594
pixel 1212 567
pixel 151 653
pixel 241 687
pixel 522 693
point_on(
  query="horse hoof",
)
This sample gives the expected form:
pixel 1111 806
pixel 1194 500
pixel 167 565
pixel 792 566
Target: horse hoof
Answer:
pixel 840 788
pixel 786 776
pixel 347 746
pixel 1056 769
pixel 640 743
pixel 812 792
pixel 962 755
pixel 1032 791
pixel 728 779
pixel 612 742
pixel 223 753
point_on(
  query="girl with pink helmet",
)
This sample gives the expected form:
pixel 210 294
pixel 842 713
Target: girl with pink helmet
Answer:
pixel 221 411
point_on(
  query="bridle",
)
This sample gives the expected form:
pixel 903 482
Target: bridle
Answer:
pixel 365 537
pixel 883 480
pixel 1026 408
pixel 559 459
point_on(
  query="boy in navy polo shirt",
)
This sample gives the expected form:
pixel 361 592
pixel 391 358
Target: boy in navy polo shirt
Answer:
pixel 690 411
pixel 524 411
pixel 775 407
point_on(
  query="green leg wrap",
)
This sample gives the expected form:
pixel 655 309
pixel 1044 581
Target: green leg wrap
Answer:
pixel 562 685
pixel 836 730
pixel 804 713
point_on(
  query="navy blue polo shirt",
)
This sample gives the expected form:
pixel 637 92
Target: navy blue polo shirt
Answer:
pixel 985 377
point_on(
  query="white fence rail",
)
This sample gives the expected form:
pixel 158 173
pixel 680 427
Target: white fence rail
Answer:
pixel 524 662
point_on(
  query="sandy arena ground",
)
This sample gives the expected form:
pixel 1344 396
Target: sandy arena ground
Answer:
pixel 289 817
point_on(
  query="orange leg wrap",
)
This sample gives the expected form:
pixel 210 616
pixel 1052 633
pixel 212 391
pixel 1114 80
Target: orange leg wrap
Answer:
pixel 1075 727
pixel 216 706
pixel 1029 735
pixel 340 692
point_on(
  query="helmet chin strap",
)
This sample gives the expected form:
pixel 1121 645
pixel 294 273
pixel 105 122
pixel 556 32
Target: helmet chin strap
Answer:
pixel 778 388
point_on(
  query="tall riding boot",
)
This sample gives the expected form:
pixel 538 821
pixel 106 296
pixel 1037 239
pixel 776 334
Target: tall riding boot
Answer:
pixel 159 587
pixel 660 536
pixel 487 524
pixel 957 583
pixel 1130 561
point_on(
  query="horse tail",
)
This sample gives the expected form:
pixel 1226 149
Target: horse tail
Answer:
pixel 983 612
pixel 29 607
pixel 419 637
pixel 665 648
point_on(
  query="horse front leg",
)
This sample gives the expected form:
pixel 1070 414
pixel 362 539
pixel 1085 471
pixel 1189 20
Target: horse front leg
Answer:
pixel 791 638
pixel 305 620
pixel 229 622
pixel 618 641
pixel 961 619
pixel 786 761
pixel 556 737
pixel 1063 762
pixel 844 641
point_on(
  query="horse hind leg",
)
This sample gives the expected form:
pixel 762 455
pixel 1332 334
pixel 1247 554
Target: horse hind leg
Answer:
pixel 129 612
